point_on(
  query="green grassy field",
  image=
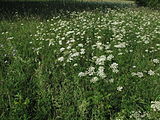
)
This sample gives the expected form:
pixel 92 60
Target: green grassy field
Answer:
pixel 90 64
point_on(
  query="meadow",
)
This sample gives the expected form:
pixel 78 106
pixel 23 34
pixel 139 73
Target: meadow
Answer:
pixel 91 61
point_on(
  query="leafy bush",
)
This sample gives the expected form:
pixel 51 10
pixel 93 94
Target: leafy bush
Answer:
pixel 149 3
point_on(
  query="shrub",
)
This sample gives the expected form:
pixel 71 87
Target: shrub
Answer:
pixel 149 3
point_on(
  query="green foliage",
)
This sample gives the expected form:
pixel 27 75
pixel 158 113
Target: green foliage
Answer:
pixel 149 3
pixel 41 61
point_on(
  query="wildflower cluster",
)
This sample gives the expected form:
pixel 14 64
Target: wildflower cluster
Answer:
pixel 89 64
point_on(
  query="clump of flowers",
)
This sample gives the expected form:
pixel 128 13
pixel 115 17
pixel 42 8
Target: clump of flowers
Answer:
pixel 151 72
pixel 110 57
pixel 119 88
pixel 61 59
pixel 100 72
pixel 138 115
pixel 155 61
pixel 138 74
pixel 94 79
pixel 101 60
pixel 114 67
pixel 120 45
pixel 155 105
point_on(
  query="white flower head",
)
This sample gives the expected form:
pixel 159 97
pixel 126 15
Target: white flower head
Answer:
pixel 82 74
pixel 99 45
pixel 110 57
pixel 94 79
pixel 82 51
pixel 100 72
pixel 91 71
pixel 155 61
pixel 151 72
pixel 111 80
pixel 155 105
pixel 69 47
pixel 60 42
pixel 120 45
pixel 61 59
pixel 114 66
pixel 107 47
pixel 140 74
pixel 75 65
pixel 75 54
pixel 133 74
pixel 101 60
pixel 62 49
pixel 80 45
pixel 138 115
pixel 119 88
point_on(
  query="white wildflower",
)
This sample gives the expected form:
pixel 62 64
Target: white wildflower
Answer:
pixel 82 74
pixel 110 57
pixel 130 50
pixel 109 51
pixel 133 74
pixel 72 40
pixel 146 41
pixel 94 57
pixel 138 115
pixel 94 79
pixel 60 42
pixel 91 71
pixel 82 51
pixel 75 54
pixel 134 66
pixel 120 45
pixel 69 47
pixel 62 49
pixel 115 70
pixel 101 60
pixel 61 59
pixel 155 61
pixel 100 72
pixel 114 66
pixel 120 53
pixel 140 74
pixel 157 45
pixel 107 47
pixel 155 105
pixel 119 88
pixel 69 59
pixel 69 32
pixel 151 72
pixel 99 45
pixel 111 80
pixel 73 50
pixel 80 45
pixel 75 65
pixel 146 50
pixel 99 37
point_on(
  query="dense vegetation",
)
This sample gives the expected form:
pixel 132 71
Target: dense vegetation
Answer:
pixel 150 3
pixel 83 61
